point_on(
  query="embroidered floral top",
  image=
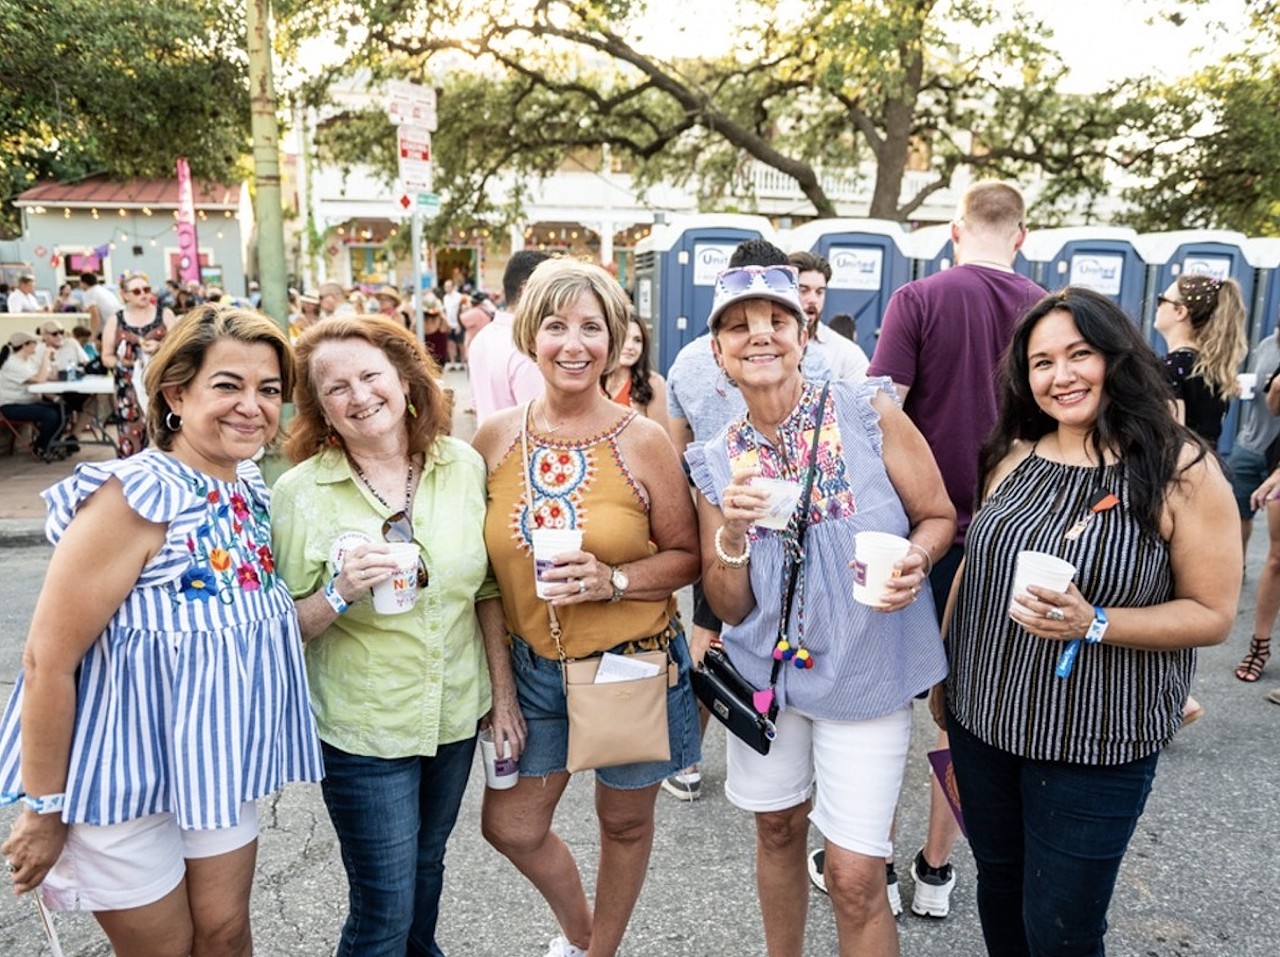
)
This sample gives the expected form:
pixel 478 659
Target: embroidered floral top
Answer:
pixel 585 485
pixel 866 663
pixel 194 698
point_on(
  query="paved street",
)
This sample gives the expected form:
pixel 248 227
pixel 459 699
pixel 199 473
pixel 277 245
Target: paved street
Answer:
pixel 1200 878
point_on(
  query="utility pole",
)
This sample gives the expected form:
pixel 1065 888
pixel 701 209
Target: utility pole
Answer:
pixel 266 165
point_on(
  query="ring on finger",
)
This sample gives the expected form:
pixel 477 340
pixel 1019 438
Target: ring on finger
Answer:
pixel 1055 614
pixel 582 586
pixel 12 867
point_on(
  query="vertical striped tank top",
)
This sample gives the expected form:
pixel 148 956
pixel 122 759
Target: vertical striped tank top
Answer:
pixel 1119 704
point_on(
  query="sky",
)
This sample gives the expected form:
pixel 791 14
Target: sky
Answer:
pixel 1100 40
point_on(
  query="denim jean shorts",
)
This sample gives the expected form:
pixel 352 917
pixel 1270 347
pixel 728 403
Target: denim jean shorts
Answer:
pixel 541 697
pixel 1246 470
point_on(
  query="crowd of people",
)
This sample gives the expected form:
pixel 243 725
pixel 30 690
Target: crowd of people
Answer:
pixel 241 639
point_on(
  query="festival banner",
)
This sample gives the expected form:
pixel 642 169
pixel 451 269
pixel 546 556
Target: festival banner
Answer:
pixel 188 245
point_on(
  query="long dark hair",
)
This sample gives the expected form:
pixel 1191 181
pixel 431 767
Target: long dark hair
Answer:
pixel 1135 416
pixel 641 387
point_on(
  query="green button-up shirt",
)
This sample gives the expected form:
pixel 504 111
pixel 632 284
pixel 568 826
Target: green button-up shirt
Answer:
pixel 393 686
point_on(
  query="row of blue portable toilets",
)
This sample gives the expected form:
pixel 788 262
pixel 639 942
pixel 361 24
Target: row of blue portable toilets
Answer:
pixel 677 263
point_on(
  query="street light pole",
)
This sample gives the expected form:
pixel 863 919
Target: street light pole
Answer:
pixel 266 165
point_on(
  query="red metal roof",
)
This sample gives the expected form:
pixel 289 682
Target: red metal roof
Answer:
pixel 154 193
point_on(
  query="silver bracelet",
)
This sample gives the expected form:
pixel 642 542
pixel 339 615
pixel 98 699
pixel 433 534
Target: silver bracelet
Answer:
pixel 928 560
pixel 731 561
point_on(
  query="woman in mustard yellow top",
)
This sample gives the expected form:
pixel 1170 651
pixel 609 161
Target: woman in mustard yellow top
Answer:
pixel 614 476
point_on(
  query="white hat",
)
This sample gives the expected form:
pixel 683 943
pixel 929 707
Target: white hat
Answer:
pixel 780 284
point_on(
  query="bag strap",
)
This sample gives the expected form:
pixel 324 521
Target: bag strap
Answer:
pixel 802 525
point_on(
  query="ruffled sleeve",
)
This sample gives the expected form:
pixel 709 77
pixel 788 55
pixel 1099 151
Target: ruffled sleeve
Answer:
pixel 853 403
pixel 152 488
pixel 703 471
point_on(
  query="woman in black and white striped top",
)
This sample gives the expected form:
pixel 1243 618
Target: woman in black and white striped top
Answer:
pixel 1054 762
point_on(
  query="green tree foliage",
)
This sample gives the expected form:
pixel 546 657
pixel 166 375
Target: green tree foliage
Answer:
pixel 808 89
pixel 121 87
pixel 1212 155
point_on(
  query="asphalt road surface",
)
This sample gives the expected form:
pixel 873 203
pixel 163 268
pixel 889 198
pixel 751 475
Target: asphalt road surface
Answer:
pixel 1200 878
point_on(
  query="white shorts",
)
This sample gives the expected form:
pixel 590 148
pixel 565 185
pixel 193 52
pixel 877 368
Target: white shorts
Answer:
pixel 134 863
pixel 858 766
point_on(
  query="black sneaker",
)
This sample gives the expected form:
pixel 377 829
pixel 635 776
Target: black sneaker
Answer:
pixel 933 888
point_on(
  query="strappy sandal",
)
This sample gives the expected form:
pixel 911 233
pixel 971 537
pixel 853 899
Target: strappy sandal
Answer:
pixel 1255 662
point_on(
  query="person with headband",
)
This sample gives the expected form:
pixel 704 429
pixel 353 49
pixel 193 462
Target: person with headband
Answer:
pixel 1202 320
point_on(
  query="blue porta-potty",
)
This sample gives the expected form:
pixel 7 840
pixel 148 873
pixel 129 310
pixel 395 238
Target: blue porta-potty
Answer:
pixel 931 252
pixel 1264 256
pixel 869 259
pixel 1101 258
pixel 676 268
pixel 1208 252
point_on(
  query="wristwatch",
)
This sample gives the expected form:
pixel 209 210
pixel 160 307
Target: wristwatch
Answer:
pixel 619 581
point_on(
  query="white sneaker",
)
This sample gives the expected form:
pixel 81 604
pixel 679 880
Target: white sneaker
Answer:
pixel 818 861
pixel 685 786
pixel 933 888
pixel 560 947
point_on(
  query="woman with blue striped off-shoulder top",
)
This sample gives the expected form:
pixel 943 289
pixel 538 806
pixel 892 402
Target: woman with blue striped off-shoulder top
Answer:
pixel 163 689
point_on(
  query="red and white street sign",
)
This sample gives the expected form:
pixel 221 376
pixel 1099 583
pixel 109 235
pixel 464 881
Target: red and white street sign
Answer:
pixel 411 103
pixel 414 149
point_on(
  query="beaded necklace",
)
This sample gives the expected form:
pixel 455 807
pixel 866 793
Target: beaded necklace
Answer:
pixel 408 487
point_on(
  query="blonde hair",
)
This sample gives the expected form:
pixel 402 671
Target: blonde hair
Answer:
pixel 432 415
pixel 553 286
pixel 1215 308
pixel 992 206
pixel 182 353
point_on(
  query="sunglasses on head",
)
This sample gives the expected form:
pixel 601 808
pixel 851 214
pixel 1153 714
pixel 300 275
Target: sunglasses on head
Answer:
pixel 784 279
pixel 137 289
pixel 399 529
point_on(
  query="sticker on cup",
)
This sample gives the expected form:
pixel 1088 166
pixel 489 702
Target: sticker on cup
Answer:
pixel 783 496
pixel 344 543
pixel 399 593
pixel 500 773
pixel 547 544
pixel 1248 385
pixel 1040 569
pixel 875 554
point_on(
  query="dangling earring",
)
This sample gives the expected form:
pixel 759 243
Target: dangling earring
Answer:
pixel 172 422
pixel 331 438
pixel 413 412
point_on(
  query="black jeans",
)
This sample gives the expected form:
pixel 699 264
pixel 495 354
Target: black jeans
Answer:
pixel 1048 838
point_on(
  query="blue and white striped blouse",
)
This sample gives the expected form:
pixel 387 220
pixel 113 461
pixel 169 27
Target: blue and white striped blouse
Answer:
pixel 866 663
pixel 194 698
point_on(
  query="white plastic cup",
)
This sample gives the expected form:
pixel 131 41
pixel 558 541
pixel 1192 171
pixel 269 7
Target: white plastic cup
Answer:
pixel 1248 385
pixel 399 593
pixel 875 554
pixel 547 544
pixel 783 496
pixel 500 773
pixel 1040 569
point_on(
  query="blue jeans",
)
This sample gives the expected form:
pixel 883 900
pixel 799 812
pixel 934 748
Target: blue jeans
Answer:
pixel 46 416
pixel 1048 838
pixel 393 817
